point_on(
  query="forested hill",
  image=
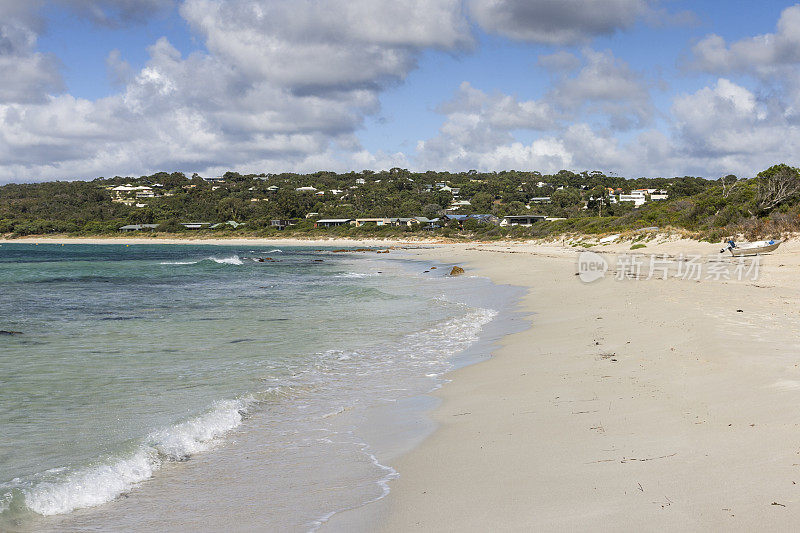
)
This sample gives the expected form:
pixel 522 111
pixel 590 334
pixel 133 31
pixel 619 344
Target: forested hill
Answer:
pixel 589 202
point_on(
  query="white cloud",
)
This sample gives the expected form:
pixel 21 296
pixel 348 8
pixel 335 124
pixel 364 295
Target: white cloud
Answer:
pixel 478 130
pixel 283 85
pixel 761 54
pixel 608 86
pixel 28 75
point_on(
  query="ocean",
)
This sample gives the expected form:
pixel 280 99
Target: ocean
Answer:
pixel 185 387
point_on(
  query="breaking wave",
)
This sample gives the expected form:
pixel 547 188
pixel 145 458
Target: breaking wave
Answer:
pixel 101 483
pixel 232 260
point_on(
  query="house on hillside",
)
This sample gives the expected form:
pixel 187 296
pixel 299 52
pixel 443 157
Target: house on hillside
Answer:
pixel 282 223
pixel 332 222
pixel 372 222
pixel 521 220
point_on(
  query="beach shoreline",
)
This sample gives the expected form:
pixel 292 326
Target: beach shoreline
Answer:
pixel 627 405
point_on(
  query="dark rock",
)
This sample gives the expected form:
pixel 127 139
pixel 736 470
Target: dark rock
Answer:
pixel 4 332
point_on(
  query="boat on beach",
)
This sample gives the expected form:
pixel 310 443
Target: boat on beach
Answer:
pixel 752 248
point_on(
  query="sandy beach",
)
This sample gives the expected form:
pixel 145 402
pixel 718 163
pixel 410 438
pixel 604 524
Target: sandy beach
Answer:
pixel 628 405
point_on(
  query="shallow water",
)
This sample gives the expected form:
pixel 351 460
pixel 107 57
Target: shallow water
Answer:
pixel 195 368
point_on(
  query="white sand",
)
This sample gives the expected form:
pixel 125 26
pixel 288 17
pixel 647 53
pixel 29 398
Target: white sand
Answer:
pixel 627 406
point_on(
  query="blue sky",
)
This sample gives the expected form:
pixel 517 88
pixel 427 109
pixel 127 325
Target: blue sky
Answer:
pixel 636 87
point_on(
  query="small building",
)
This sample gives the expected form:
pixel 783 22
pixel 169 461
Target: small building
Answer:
pixel 638 199
pixel 332 222
pixel 138 227
pixel 540 200
pixel 521 220
pixel 372 221
pixel 306 189
pixel 217 179
pixel 282 223
pixel 483 218
pixel 659 195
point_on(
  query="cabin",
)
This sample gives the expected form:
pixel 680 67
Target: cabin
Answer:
pixel 522 220
pixel 282 223
pixel 332 222
pixel 372 222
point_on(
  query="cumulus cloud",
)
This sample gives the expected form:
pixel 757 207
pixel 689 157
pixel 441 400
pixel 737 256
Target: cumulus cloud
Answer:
pixel 116 12
pixel 716 130
pixel 604 85
pixel 760 54
pixel 340 44
pixel 28 75
pixel 556 21
pixel 478 129
pixel 282 85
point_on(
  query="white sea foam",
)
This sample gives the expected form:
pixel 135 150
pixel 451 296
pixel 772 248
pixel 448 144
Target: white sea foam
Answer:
pixel 102 483
pixel 233 260
pixel 356 275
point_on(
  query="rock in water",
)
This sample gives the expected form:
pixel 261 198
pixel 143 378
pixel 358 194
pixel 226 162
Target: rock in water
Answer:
pixel 3 332
pixel 456 271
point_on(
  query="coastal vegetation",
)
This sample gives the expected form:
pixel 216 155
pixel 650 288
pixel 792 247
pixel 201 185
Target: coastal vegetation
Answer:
pixel 290 204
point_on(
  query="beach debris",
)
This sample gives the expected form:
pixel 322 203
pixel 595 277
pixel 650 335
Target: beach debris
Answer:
pixel 433 268
pixel 456 271
pixel 4 332
pixel 740 311
pixel 626 459
pixel 776 503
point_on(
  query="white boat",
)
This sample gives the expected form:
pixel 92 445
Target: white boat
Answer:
pixel 752 248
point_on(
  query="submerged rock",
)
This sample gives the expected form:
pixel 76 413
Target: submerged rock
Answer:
pixel 4 332
pixel 456 271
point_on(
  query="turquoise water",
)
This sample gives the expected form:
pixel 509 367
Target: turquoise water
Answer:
pixel 132 357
